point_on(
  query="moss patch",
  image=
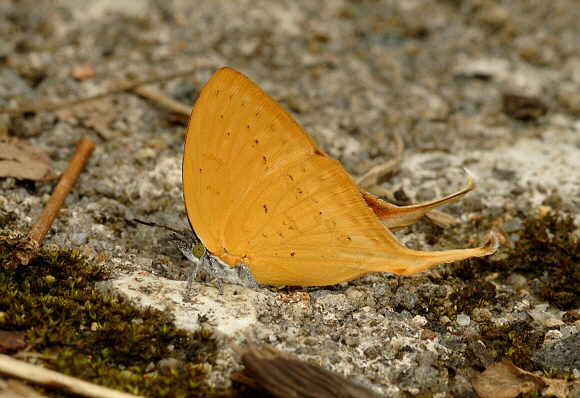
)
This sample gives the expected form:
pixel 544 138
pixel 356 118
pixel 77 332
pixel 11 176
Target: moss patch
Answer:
pixel 98 338
pixel 548 255
pixel 516 341
pixel 549 251
pixel 463 300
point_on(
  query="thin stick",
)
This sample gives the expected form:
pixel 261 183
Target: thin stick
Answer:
pixel 55 380
pixel 163 100
pixel 122 86
pixel 389 167
pixel 29 247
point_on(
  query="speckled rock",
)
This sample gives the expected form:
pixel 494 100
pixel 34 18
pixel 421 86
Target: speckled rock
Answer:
pixel 563 356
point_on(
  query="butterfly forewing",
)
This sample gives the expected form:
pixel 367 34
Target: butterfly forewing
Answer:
pixel 236 134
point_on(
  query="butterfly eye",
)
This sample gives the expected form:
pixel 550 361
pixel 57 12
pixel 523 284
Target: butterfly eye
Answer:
pixel 198 250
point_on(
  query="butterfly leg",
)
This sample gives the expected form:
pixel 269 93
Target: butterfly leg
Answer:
pixel 192 274
pixel 207 261
pixel 215 266
pixel 245 274
pixel 211 264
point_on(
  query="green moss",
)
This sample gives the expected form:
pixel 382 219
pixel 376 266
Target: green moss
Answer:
pixel 463 300
pixel 515 341
pixel 548 253
pixel 95 337
pixel 547 250
pixel 474 295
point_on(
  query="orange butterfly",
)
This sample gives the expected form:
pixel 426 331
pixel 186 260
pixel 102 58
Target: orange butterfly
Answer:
pixel 259 193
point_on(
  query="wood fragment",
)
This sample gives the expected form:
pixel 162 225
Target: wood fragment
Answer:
pixel 282 375
pixel 55 380
pixel 163 100
pixel 441 219
pixel 28 248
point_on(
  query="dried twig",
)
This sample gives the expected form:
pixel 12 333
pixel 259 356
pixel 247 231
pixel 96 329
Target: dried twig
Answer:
pixel 281 375
pixel 55 380
pixel 28 248
pixel 383 171
pixel 120 87
pixel 163 100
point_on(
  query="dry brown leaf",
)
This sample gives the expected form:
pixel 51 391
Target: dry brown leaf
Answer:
pixel 96 114
pixel 21 160
pixel 505 380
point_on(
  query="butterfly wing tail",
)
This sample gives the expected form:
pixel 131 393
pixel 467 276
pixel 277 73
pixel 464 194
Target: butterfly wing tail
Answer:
pixel 407 261
pixel 398 217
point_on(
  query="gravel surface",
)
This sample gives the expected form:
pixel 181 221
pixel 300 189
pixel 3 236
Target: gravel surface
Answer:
pixel 492 86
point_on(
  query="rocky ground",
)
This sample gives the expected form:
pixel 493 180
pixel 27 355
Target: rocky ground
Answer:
pixel 492 86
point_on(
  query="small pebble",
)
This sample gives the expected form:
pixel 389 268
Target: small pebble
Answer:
pixel 428 334
pixel 481 315
pixel 463 320
pixel 543 211
pixel 419 320
pixel 567 331
pixel 552 336
pixel 518 281
pixel 351 341
pixel 551 322
pixel 513 225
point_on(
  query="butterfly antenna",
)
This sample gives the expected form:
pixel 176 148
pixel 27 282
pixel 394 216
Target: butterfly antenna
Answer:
pixel 152 224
